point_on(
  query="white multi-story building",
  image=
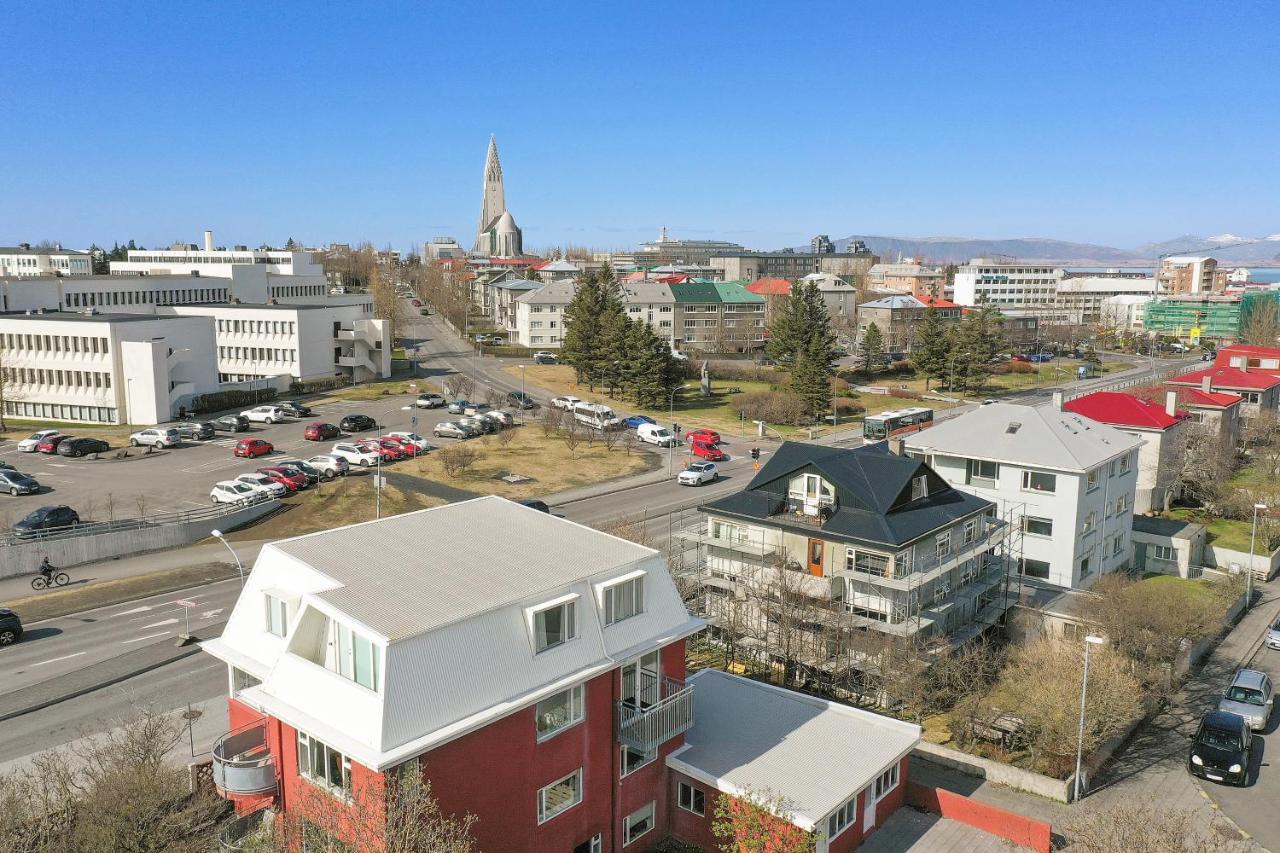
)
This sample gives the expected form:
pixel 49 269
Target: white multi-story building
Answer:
pixel 1123 313
pixel 1017 289
pixel 23 261
pixel 651 302
pixel 540 315
pixel 1083 301
pixel 1071 480
pixel 217 263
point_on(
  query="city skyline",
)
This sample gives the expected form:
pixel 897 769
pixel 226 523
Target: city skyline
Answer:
pixel 898 123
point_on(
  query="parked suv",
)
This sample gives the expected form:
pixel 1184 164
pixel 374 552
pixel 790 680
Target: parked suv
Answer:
pixel 196 430
pixel 265 414
pixel 10 627
pixel 1251 696
pixel 357 423
pixel 697 473
pixel 232 492
pixel 355 454
pixel 521 399
pixel 46 520
pixel 294 409
pixel 321 432
pixel 429 401
pixel 155 437
pixel 1220 748
pixel 329 466
pixel 231 423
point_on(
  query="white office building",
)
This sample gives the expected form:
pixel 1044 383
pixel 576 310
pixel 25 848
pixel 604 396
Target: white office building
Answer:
pixel 1082 301
pixel 1017 289
pixel 190 259
pixel 23 261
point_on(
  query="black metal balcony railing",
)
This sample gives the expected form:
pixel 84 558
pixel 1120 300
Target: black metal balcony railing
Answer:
pixel 242 761
pixel 646 726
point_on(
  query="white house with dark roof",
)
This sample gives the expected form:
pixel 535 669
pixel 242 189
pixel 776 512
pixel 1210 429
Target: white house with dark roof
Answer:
pixel 1070 480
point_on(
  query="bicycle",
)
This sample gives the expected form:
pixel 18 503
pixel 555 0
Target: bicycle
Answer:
pixel 40 582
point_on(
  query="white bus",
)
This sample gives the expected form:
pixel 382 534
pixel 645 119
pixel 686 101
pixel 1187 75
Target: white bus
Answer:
pixel 894 424
pixel 596 415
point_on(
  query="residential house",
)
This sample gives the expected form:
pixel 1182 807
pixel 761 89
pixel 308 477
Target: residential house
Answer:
pixel 850 265
pixel 1190 274
pixel 23 261
pixel 1162 430
pixel 1249 357
pixel 550 702
pixel 718 317
pixel 841 296
pixel 1217 413
pixel 1259 390
pixel 1066 482
pixel 559 268
pixel 540 314
pixel 910 276
pixel 502 300
pixel 651 302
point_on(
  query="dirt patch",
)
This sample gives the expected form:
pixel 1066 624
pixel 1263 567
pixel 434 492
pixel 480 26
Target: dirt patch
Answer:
pixel 73 599
pixel 349 500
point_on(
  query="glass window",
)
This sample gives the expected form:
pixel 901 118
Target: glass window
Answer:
pixel 277 614
pixel 887 781
pixel 843 817
pixel 1093 478
pixel 1036 481
pixel 983 473
pixel 353 656
pixel 1037 526
pixel 554 626
pixel 634 759
pixel 919 487
pixel 970 531
pixel 637 823
pixel 560 711
pixel 692 799
pixel 323 765
pixel 944 544
pixel 1163 552
pixel 1034 568
pixel 559 795
pixel 623 600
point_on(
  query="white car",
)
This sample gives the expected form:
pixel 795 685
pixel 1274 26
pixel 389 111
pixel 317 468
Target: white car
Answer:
pixel 330 466
pixel 655 434
pixel 232 492
pixel 354 454
pixel 29 444
pixel 265 415
pixel 503 418
pixel 412 438
pixel 566 402
pixel 155 437
pixel 698 473
pixel 263 483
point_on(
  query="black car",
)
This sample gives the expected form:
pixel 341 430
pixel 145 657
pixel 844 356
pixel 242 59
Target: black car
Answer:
pixel 231 423
pixel 82 446
pixel 1220 748
pixel 521 399
pixel 544 359
pixel 294 409
pixel 196 430
pixel 10 627
pixel 540 506
pixel 16 483
pixel 46 520
pixel 357 423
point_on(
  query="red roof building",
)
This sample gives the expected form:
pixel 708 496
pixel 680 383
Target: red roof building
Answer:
pixel 770 287
pixel 1125 410
pixel 1217 412
pixel 936 302
pixel 1249 357
pixel 1242 380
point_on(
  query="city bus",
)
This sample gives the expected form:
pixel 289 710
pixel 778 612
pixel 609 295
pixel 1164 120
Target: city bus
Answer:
pixel 893 424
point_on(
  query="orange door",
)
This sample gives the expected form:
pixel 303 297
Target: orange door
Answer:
pixel 815 557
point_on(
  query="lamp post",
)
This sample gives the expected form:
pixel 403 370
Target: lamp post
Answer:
pixel 217 534
pixel 1090 640
pixel 671 416
pixel 1253 535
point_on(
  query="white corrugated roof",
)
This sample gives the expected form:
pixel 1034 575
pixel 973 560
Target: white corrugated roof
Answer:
pixel 817 754
pixel 1039 436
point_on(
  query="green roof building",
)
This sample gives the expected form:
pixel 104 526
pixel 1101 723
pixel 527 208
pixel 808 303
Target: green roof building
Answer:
pixel 718 317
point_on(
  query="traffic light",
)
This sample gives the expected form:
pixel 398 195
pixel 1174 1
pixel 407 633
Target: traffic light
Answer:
pixel 755 453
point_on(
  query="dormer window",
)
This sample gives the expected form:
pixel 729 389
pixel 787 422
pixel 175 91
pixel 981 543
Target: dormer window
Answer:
pixel 623 599
pixel 277 612
pixel 554 625
pixel 919 487
pixel 354 656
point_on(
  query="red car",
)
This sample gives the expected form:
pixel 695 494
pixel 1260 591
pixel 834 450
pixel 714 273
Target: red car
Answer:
pixel 292 482
pixel 707 451
pixel 1021 357
pixel 251 448
pixel 706 436
pixel 410 449
pixel 416 303
pixel 321 432
pixel 50 444
pixel 389 451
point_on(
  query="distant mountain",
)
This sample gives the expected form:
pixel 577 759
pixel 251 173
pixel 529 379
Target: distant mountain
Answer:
pixel 1227 248
pixel 943 250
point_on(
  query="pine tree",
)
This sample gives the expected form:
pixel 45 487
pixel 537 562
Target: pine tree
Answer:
pixel 978 340
pixel 811 376
pixel 871 349
pixel 615 355
pixel 931 355
pixel 580 346
pixel 785 328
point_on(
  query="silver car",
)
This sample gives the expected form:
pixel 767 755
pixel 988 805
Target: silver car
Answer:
pixel 1273 636
pixel 449 429
pixel 1250 695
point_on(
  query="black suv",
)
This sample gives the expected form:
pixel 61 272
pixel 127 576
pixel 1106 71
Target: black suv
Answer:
pixel 521 399
pixel 10 627
pixel 46 520
pixel 196 430
pixel 82 446
pixel 1220 748
pixel 231 423
pixel 294 409
pixel 357 423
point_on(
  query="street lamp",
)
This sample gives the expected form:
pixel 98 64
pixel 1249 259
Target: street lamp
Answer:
pixel 1090 640
pixel 217 534
pixel 1253 535
pixel 671 415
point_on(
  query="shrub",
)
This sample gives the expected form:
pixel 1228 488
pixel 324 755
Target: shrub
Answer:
pixel 904 366
pixel 779 407
pixel 317 385
pixel 839 386
pixel 1021 367
pixel 457 458
pixel 233 399
pixel 848 406
pixel 905 394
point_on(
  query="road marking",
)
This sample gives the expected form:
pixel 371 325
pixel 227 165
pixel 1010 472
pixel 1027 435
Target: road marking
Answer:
pixel 57 465
pixel 144 608
pixel 55 660
pixel 148 637
pixel 209 614
pixel 195 504
pixel 160 624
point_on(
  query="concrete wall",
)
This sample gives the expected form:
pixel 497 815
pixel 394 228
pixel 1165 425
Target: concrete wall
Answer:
pixel 1021 831
pixel 1264 565
pixel 1001 774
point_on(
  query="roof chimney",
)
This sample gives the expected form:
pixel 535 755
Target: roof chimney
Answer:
pixel 1206 384
pixel 1171 403
pixel 896 446
pixel 1057 400
pixel 208 240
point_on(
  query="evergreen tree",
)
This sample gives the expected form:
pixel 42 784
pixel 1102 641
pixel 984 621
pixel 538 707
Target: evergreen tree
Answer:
pixel 796 319
pixel 931 355
pixel 292 246
pixel 616 338
pixel 811 376
pixel 871 349
pixel 581 344
pixel 978 340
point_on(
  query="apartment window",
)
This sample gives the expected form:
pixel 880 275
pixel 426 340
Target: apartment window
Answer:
pixel 277 614
pixel 887 781
pixel 1034 568
pixel 323 765
pixel 554 626
pixel 1164 553
pixel 637 823
pixel 867 562
pixel 634 759
pixel 944 544
pixel 1122 504
pixel 1090 521
pixel 1037 526
pixel 919 487
pixel 692 799
pixel 1126 462
pixel 1085 568
pixel 559 796
pixel 843 817
pixel 353 655
pixel 1036 481
pixel 558 712
pixel 981 473
pixel 1119 544
pixel 623 600
pixel 1093 478
pixel 970 531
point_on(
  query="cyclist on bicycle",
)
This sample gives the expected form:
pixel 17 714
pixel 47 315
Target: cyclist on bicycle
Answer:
pixel 46 570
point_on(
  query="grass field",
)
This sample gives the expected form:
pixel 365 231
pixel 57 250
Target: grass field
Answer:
pixel 377 390
pixel 73 599
pixel 1224 532
pixel 116 436
pixel 336 503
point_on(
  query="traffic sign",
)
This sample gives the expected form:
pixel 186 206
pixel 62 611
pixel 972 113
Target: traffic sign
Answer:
pixel 182 602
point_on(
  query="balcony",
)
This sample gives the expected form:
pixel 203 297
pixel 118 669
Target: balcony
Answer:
pixel 815 512
pixel 356 358
pixel 243 763
pixel 645 727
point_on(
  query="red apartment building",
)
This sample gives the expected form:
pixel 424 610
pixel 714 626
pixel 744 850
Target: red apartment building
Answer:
pixel 533 671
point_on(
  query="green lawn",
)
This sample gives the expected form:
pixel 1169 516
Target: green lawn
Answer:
pixel 376 390
pixel 1000 383
pixel 1203 591
pixel 1223 532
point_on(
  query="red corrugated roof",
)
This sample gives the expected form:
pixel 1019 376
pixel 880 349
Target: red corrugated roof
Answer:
pixel 1120 409
pixel 1230 378
pixel 936 302
pixel 1187 396
pixel 770 287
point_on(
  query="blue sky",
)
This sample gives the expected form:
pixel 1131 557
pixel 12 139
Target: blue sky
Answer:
pixel 763 123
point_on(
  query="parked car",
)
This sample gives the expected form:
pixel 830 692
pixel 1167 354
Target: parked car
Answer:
pixel 10 627
pixel 1273 636
pixel 567 402
pixel 411 438
pixel 47 520
pixel 330 466
pixel 501 418
pixel 654 434
pixel 480 423
pixel 521 400
pixel 544 357
pixel 429 401
pixel 264 484
pixel 31 442
pixel 252 448
pixel 292 482
pixel 711 452
pixel 1220 748
pixel 297 466
pixel 475 410
pixel 232 492
pixel 264 414
pixel 391 451
pixel 231 423
pixel 355 454
pixel 196 430
pixel 357 423
pixel 457 407
pixel 321 432
pixel 637 421
pixel 1251 696
pixel 697 473
pixel 470 426
pixel 1039 357
pixel 1021 357
pixel 294 409
pixel 540 506
pixel 449 429
pixel 76 447
pixel 16 483
pixel 50 443
pixel 155 437
pixel 706 436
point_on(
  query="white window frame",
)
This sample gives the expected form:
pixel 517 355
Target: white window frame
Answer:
pixel 919 487
pixel 652 808
pixel 569 603
pixel 843 817
pixel 346 643
pixel 1126 462
pixel 611 595
pixel 970 531
pixel 885 783
pixel 1026 482
pixel 340 789
pixel 575 700
pixel 681 788
pixel 277 614
pixel 943 545
pixel 1093 479
pixel 1157 553
pixel 543 816
pixel 1028 532
pixel 647 758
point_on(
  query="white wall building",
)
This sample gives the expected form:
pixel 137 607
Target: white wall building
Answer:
pixel 22 261
pixel 1080 301
pixel 540 315
pixel 1123 313
pixel 651 302
pixel 1017 289
pixel 217 263
pixel 1070 479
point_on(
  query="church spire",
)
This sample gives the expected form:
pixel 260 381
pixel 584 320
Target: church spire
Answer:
pixel 493 200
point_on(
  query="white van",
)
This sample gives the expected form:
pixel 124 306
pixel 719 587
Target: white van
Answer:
pixel 655 434
pixel 595 415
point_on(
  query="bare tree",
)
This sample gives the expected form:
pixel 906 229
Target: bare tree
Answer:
pixel 457 459
pixel 1262 438
pixel 1146 826
pixel 505 435
pixel 550 420
pixel 572 435
pixel 110 503
pixel 630 440
pixel 140 500
pixel 611 437
pixel 632 529
pixel 10 387
pixel 1262 326
pixel 386 305
pixel 462 386
pixel 591 432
